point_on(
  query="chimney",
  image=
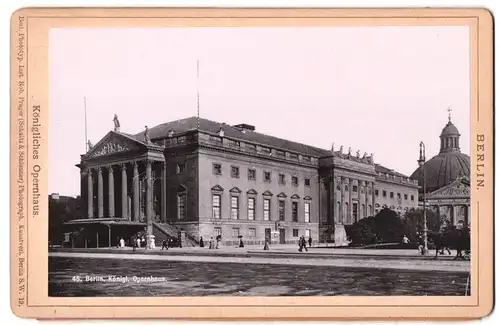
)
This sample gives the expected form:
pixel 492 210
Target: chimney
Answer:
pixel 244 127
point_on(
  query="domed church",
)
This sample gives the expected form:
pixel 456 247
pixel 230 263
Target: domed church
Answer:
pixel 447 179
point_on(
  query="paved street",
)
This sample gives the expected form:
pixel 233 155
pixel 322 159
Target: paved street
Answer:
pixel 193 274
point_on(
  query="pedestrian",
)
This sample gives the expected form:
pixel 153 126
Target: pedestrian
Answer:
pixel 218 240
pixel 202 244
pixel 241 242
pixel 122 243
pixel 304 245
pixel 211 243
pixel 134 244
pixel 164 245
pixel 266 245
pixel 143 242
pixel 310 241
pixel 421 245
pixel 405 240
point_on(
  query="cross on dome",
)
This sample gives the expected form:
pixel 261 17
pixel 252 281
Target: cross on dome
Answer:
pixel 449 113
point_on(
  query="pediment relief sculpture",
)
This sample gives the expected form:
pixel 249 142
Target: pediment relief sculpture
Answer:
pixel 109 148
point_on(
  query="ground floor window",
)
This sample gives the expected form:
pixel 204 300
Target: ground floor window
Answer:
pixel 216 206
pixel 281 210
pixel 217 231
pixel 308 233
pixel 295 233
pixel 181 206
pixel 234 207
pixel 252 232
pixel 307 209
pixel 236 232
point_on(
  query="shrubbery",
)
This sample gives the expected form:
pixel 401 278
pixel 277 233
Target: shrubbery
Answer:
pixel 388 227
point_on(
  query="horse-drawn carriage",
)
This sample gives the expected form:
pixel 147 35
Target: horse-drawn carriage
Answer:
pixel 458 239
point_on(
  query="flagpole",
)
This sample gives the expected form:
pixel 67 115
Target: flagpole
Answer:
pixel 198 93
pixel 85 109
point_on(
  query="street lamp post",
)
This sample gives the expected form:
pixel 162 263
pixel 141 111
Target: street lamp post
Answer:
pixel 421 163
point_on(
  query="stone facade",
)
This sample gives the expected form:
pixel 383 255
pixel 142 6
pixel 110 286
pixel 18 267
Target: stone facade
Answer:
pixel 207 179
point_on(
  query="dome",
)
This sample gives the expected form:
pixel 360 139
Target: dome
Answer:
pixel 443 169
pixel 450 130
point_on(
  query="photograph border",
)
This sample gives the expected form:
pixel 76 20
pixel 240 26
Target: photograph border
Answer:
pixel 29 90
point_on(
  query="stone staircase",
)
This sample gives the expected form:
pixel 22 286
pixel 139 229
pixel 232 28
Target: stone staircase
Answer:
pixel 163 231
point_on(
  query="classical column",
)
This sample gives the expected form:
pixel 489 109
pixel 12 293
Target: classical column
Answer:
pixel 335 208
pixel 365 186
pixel 149 204
pixel 100 198
pixel 349 212
pixel 124 193
pixel 90 194
pixel 111 192
pixel 373 199
pixel 342 200
pixel 452 215
pixel 163 200
pixel 135 184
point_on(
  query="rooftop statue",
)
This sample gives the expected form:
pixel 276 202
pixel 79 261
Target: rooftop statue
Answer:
pixel 147 139
pixel 117 123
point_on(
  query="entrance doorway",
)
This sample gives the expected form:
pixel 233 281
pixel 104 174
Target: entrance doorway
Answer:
pixel 282 236
pixel 267 235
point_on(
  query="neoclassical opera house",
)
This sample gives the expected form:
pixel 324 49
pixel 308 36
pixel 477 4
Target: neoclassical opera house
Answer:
pixel 193 178
pixel 447 179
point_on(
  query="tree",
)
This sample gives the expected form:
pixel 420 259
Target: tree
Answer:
pixel 414 223
pixel 62 210
pixel 385 227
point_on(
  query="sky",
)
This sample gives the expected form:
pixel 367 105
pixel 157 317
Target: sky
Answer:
pixel 379 90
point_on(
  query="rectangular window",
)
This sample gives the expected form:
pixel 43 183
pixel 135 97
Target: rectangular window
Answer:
pixel 252 232
pixel 235 207
pixel 295 181
pixel 399 195
pixel 406 196
pixel 295 211
pixel 281 179
pixel 281 210
pixel 267 176
pixel 251 208
pixel 376 192
pixel 235 171
pixel 294 156
pixel 384 193
pixel 251 147
pixel 217 169
pixel 267 209
pixel 412 198
pixel 280 153
pixel 295 233
pixel 355 189
pixel 392 195
pixel 307 182
pixel 355 212
pixel 306 158
pixel 217 231
pixel 181 168
pixel 181 206
pixel 216 206
pixel 308 233
pixel 252 174
pixel 236 232
pixel 307 211
pixel 233 143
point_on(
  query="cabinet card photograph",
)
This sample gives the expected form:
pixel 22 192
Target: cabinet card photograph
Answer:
pixel 252 163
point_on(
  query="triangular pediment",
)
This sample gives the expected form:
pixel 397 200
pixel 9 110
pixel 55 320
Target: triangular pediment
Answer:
pixel 460 188
pixel 252 192
pixel 295 197
pixel 235 190
pixel 283 195
pixel 267 193
pixel 113 143
pixel 307 197
pixel 218 188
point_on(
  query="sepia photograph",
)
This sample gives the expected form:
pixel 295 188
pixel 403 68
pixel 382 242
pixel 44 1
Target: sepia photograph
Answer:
pixel 259 161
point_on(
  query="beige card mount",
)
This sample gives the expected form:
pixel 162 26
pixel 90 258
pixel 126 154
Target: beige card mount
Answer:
pixel 252 164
